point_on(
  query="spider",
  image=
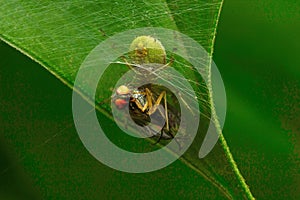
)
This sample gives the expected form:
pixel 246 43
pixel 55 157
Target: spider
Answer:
pixel 145 52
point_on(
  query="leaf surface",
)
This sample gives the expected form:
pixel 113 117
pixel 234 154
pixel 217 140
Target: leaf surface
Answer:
pixel 59 35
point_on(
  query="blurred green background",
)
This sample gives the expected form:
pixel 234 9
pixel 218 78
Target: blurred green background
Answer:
pixel 257 52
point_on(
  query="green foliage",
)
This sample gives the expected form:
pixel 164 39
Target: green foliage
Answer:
pixel 58 35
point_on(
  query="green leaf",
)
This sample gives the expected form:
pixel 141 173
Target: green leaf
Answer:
pixel 60 35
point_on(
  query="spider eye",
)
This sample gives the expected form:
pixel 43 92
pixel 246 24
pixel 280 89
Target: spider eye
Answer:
pixel 120 103
pixel 123 90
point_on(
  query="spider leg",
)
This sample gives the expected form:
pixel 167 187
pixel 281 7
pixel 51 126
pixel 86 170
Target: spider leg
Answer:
pixel 176 139
pixel 129 65
pixel 162 67
pixel 186 104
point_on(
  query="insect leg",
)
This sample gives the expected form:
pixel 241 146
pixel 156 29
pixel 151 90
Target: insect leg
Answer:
pixel 160 136
pixel 139 105
pixel 152 109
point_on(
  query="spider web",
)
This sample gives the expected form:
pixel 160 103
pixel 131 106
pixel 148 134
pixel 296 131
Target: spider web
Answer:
pixel 61 43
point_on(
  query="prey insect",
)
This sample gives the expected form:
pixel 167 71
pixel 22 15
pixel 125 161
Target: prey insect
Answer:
pixel 148 56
